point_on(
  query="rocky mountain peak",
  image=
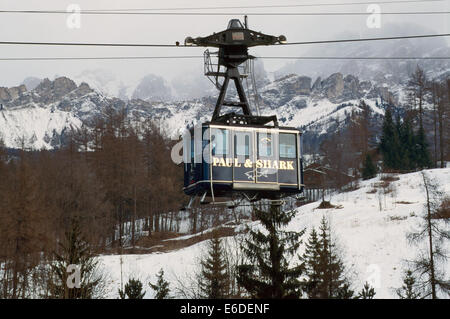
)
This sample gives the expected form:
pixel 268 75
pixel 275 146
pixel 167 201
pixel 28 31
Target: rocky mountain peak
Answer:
pixel 83 89
pixel 51 91
pixel 333 86
pixel 9 94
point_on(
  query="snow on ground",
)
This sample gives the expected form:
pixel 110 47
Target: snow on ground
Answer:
pixel 177 265
pixel 370 228
pixel 373 239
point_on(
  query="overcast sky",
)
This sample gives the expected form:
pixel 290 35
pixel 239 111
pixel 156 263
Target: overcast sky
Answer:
pixel 168 29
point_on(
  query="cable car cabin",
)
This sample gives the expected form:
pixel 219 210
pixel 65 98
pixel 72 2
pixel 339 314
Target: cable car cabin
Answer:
pixel 259 161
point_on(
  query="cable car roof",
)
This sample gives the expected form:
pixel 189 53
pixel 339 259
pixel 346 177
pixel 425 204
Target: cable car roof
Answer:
pixel 235 24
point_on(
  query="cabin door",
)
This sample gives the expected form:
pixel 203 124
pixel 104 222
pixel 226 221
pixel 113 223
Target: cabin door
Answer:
pixel 243 157
pixel 266 165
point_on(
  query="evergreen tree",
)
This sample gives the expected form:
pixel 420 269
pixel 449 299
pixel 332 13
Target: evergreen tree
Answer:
pixel 324 269
pixel 161 287
pixel 332 267
pixel 311 260
pixel 74 251
pixel 390 144
pixel 408 153
pixel 423 158
pixel 214 281
pixel 266 274
pixel 409 289
pixel 345 292
pixel 369 169
pixel 133 290
pixel 367 292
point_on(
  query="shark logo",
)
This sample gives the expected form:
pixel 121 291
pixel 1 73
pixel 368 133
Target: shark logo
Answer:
pixel 264 172
pixel 265 140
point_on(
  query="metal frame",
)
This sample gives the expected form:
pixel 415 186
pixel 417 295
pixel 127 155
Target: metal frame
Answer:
pixel 233 44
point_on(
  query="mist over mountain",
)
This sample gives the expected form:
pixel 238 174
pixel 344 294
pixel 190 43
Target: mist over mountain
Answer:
pixel 42 117
pixel 152 88
pixel 31 82
pixel 396 70
pixel 316 96
pixel 106 83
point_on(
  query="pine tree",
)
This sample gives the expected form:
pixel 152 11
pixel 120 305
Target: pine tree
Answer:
pixel 161 287
pixel 390 144
pixel 311 260
pixel 332 267
pixel 345 292
pixel 133 290
pixel 409 289
pixel 369 169
pixel 408 159
pixel 74 251
pixel 324 269
pixel 214 281
pixel 266 274
pixel 423 158
pixel 367 292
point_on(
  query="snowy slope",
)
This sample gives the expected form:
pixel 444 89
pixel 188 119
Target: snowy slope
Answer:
pixel 35 125
pixel 318 106
pixel 370 228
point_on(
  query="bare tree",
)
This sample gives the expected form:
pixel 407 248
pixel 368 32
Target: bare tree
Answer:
pixel 418 88
pixel 433 230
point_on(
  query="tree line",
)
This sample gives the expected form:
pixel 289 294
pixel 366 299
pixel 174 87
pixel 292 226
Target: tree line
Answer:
pixel 106 178
pixel 406 142
pixel 413 136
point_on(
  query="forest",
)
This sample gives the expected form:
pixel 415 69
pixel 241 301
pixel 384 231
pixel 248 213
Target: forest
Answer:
pixel 117 179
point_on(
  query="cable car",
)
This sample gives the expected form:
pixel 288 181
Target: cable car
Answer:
pixel 256 161
pixel 239 153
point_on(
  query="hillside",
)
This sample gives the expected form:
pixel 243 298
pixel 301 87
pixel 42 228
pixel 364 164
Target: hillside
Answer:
pixel 370 226
pixel 42 117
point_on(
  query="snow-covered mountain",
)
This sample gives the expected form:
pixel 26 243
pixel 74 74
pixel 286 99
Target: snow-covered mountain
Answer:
pixel 370 226
pixel 397 71
pixel 40 118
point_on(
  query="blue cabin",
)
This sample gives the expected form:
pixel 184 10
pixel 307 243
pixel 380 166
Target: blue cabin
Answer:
pixel 259 161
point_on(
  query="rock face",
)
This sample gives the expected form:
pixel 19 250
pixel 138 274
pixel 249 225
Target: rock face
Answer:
pixel 304 85
pixel 383 93
pixel 51 91
pixel 333 87
pixel 294 84
pixel 81 90
pixel 63 85
pixel 338 88
pixel 152 87
pixel 317 86
pixel 351 88
pixel 13 93
pixel 4 94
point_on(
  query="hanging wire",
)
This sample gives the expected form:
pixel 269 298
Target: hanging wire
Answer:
pixel 178 45
pixel 199 56
pixel 225 7
pixel 247 86
pixel 255 88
